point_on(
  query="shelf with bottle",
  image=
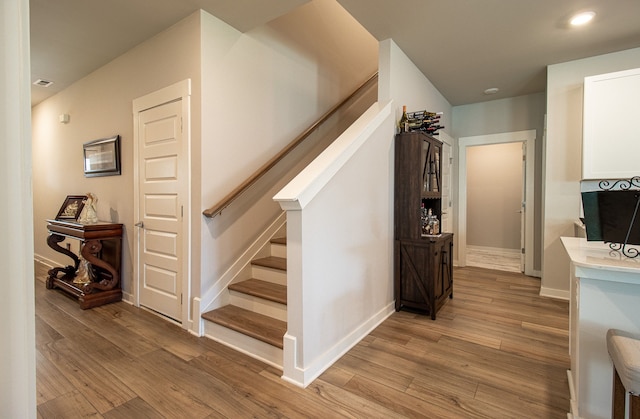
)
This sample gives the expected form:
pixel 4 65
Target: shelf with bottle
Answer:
pixel 429 220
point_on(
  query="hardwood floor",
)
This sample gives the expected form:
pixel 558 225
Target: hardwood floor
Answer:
pixel 497 350
pixel 490 258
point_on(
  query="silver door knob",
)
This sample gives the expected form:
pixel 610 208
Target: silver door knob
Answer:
pixel 140 224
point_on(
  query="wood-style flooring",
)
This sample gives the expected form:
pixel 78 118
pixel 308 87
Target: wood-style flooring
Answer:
pixel 490 258
pixel 496 350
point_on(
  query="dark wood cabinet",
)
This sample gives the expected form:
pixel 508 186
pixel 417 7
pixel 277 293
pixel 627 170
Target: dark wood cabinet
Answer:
pixel 423 269
pixel 100 255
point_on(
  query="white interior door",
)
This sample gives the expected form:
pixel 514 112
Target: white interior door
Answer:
pixel 523 208
pixel 161 180
pixel 447 160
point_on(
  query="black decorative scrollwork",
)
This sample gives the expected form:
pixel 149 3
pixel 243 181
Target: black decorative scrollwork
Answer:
pixel 625 185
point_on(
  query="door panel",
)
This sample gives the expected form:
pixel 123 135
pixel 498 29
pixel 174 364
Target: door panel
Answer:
pixel 523 207
pixel 160 211
pixel 446 223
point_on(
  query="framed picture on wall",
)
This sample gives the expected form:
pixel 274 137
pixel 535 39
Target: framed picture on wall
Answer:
pixel 102 157
pixel 71 208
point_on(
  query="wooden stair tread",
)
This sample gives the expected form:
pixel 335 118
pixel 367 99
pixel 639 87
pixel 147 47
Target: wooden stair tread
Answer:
pixel 279 240
pixel 263 289
pixel 273 262
pixel 258 326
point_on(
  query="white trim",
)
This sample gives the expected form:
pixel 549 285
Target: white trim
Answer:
pixel 45 261
pixel 175 92
pixel 211 298
pixel 528 137
pixel 244 344
pixel 302 377
pixel 493 249
pixel 554 293
pixel 301 190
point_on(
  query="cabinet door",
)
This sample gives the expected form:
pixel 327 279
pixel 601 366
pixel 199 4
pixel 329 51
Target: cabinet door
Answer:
pixel 447 267
pixel 416 264
pixel 431 177
pixel 610 145
pixel 437 273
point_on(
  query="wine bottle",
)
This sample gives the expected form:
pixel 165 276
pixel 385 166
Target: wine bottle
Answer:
pixel 404 120
pixel 433 128
pixel 433 224
pixel 423 219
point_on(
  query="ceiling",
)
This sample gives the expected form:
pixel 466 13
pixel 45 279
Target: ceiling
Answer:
pixel 462 46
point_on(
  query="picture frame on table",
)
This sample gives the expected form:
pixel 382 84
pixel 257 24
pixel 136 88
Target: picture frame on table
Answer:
pixel 71 208
pixel 102 157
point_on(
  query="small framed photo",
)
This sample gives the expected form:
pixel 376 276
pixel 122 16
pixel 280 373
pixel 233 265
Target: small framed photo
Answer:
pixel 71 208
pixel 102 157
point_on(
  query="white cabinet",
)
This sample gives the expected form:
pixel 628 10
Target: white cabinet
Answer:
pixel 605 290
pixel 611 138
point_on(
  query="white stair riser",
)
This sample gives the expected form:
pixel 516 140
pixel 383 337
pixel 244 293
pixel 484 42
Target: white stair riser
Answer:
pixel 268 274
pixel 249 346
pixel 279 250
pixel 258 305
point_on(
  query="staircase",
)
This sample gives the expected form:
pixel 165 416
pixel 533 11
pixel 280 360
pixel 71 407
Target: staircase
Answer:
pixel 255 320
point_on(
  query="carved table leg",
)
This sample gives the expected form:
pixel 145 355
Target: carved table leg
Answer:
pixel 69 271
pixel 89 252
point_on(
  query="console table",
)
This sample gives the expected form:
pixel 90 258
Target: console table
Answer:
pixel 100 251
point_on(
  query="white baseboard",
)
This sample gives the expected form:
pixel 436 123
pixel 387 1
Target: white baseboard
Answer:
pixel 45 261
pixel 303 376
pixel 494 249
pixel 554 293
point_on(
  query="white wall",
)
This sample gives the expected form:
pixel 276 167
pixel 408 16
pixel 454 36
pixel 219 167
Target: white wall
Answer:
pixel 494 195
pixel 17 345
pixel 261 89
pixel 519 113
pixel 562 156
pixel 339 273
pixel 402 82
pixel 100 105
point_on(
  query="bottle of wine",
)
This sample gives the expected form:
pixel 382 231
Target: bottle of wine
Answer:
pixel 433 224
pixel 423 219
pixel 404 120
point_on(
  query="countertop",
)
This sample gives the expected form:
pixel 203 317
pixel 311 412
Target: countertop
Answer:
pixel 598 255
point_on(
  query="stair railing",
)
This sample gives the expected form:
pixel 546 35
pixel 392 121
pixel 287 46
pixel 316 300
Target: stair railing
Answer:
pixel 258 174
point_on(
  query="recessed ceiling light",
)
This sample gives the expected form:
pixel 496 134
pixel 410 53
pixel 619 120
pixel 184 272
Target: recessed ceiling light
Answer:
pixel 491 91
pixel 582 18
pixel 43 83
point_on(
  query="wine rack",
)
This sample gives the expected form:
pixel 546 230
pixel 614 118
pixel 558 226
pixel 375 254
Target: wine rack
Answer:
pixel 423 273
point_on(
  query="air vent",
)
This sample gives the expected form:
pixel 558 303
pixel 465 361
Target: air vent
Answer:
pixel 43 83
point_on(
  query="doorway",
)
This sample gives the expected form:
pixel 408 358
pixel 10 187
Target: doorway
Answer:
pixel 161 201
pixel 527 138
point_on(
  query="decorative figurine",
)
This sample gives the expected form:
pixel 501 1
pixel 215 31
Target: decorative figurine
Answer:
pixel 89 214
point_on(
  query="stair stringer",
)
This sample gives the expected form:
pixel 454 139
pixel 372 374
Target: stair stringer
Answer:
pixel 218 295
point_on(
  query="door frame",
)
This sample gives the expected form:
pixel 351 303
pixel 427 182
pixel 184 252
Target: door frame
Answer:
pixel 527 137
pixel 447 141
pixel 178 91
